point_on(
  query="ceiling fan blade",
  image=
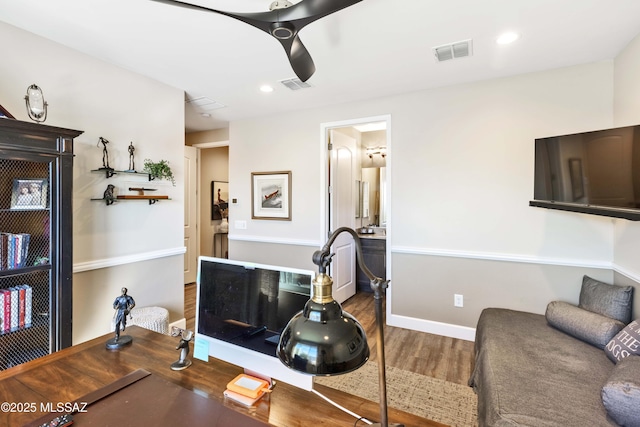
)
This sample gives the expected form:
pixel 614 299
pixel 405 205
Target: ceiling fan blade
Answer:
pixel 260 20
pixel 308 11
pixel 299 58
pixel 284 25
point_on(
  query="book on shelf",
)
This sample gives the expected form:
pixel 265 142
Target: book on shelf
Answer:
pixel 14 249
pixel 28 305
pixel 16 308
pixel 4 250
pixel 6 310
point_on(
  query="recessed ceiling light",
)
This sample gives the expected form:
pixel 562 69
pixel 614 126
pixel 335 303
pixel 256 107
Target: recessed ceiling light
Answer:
pixel 205 115
pixel 507 38
pixel 266 88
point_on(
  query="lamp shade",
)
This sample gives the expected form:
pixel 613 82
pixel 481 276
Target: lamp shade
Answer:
pixel 323 339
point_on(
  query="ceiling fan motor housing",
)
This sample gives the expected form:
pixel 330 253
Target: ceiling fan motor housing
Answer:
pixel 282 30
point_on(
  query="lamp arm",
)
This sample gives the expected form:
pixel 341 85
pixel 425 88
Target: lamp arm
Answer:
pixel 322 258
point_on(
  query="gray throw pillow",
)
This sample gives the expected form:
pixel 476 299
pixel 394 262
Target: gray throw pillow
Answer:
pixel 621 393
pixel 625 343
pixel 585 325
pixel 609 300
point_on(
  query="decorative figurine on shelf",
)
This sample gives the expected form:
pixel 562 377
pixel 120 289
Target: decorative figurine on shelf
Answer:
pixel 105 154
pixel 132 163
pixel 185 336
pixel 123 305
pixel 109 197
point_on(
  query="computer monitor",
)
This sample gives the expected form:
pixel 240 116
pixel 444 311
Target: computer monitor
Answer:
pixel 242 308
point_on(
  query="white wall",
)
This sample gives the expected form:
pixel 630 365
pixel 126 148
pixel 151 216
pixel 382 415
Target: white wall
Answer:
pixel 128 244
pixel 462 177
pixel 627 112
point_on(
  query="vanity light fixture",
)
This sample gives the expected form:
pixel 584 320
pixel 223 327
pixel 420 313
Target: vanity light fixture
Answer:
pixel 371 151
pixel 36 105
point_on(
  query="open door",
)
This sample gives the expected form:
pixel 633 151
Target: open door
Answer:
pixel 342 165
pixel 190 214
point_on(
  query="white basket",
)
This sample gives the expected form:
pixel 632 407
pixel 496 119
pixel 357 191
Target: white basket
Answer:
pixel 152 318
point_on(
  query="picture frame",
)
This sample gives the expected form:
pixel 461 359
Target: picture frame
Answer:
pixel 29 193
pixel 4 114
pixel 271 195
pixel 219 199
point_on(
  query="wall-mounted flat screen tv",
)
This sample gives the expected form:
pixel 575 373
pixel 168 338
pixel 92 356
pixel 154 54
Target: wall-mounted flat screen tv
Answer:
pixel 594 172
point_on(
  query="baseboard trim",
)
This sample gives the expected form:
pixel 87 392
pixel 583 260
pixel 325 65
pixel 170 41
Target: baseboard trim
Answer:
pixel 182 324
pixel 128 259
pixel 432 327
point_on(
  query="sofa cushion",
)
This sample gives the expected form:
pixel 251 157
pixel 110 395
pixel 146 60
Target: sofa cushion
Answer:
pixel 625 343
pixel 609 300
pixel 621 393
pixel 585 325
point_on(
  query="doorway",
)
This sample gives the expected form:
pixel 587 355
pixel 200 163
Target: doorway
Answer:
pixel 210 164
pixel 355 194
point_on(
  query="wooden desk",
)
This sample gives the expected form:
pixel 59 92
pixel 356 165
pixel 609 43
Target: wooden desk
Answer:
pixel 74 372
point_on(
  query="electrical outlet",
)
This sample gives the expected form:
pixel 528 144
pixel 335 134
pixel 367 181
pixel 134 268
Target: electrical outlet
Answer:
pixel 241 225
pixel 458 300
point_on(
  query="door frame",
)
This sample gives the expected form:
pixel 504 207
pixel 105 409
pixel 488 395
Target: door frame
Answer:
pixel 324 181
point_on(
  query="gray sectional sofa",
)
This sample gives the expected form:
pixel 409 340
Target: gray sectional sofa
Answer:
pixel 564 368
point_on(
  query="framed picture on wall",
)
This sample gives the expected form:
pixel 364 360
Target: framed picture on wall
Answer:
pixel 271 195
pixel 219 199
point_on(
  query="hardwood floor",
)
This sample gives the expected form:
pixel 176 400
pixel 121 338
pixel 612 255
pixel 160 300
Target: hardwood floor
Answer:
pixel 436 356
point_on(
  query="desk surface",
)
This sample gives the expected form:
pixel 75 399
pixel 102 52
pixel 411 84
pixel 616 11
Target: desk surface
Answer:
pixel 74 372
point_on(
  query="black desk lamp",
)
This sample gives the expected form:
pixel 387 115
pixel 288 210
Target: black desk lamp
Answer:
pixel 324 340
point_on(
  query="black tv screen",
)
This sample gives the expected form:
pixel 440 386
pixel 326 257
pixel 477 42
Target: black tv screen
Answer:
pixel 594 172
pixel 249 304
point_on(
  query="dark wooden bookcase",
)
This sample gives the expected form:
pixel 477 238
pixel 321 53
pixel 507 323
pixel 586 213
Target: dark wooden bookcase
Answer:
pixel 40 158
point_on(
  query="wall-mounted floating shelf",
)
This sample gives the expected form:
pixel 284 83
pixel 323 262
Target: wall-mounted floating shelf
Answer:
pixel 139 196
pixel 152 199
pixel 111 172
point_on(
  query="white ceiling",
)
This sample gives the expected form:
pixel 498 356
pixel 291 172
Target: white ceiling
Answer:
pixel 372 49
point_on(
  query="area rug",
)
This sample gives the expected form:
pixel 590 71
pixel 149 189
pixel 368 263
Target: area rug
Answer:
pixel 438 400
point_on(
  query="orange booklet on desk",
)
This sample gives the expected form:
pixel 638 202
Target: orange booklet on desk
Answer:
pixel 246 389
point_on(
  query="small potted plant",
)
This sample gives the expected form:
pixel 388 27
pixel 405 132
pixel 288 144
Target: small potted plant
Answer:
pixel 160 170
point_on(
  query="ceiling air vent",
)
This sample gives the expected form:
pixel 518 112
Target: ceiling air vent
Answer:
pixel 455 50
pixel 295 84
pixel 204 104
